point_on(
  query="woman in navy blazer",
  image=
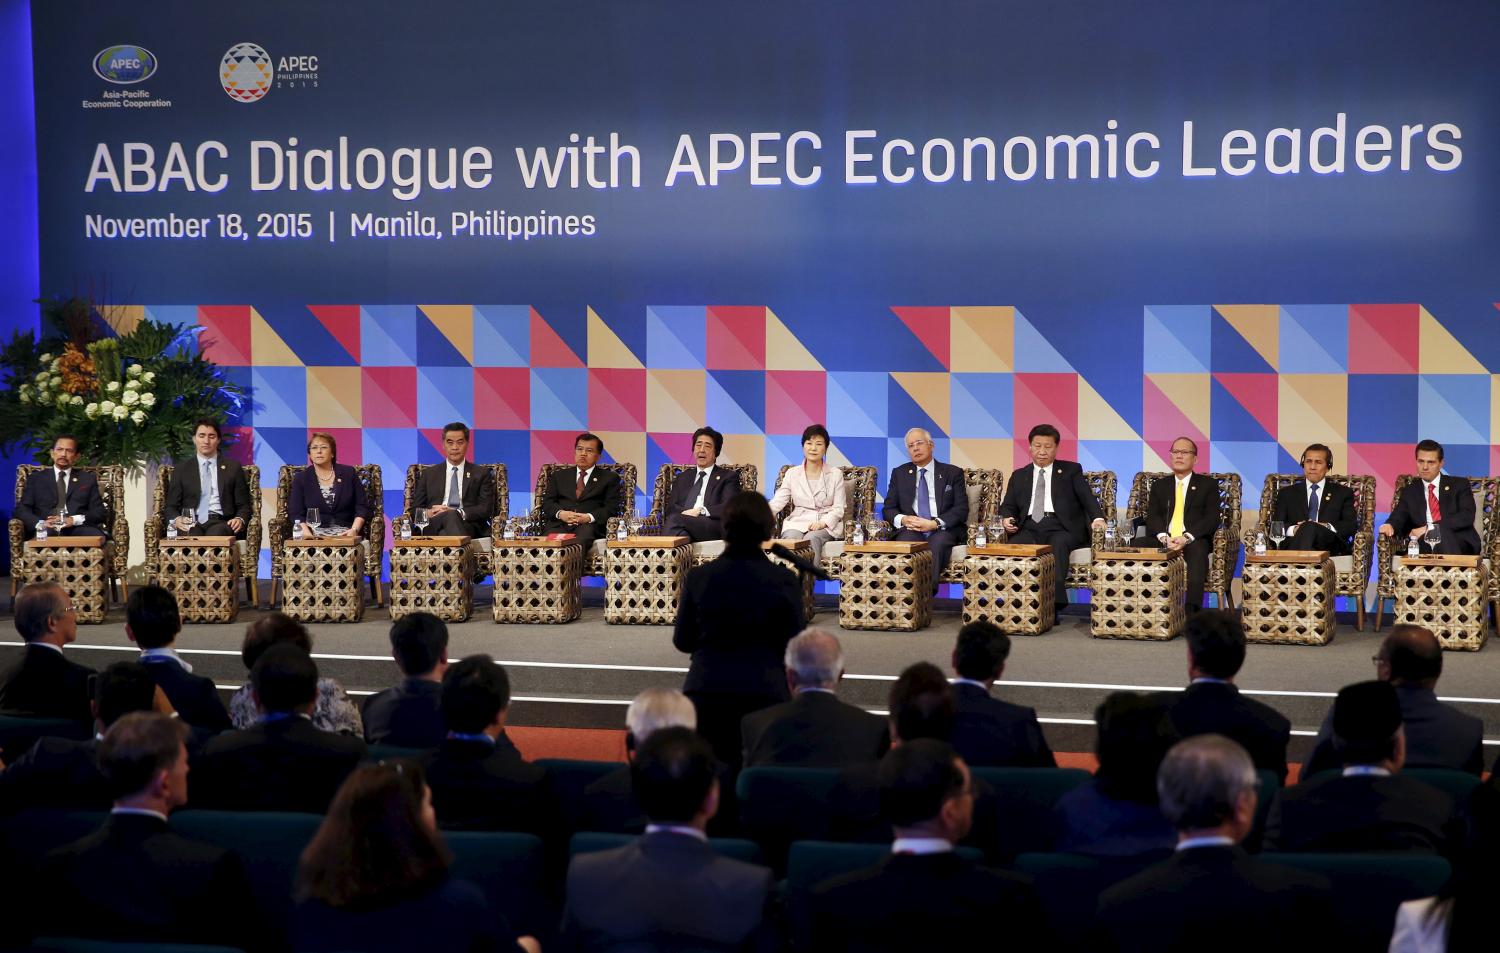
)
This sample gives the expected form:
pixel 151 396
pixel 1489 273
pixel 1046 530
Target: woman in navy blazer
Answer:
pixel 331 487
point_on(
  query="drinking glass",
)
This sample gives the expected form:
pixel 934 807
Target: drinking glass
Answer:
pixel 422 520
pixel 1434 536
pixel 1277 532
pixel 187 519
pixel 314 520
pixel 635 526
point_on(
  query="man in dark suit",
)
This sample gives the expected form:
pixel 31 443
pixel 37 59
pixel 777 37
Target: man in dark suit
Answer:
pixel 459 496
pixel 580 500
pixel 479 781
pixel 283 763
pixel 42 682
pixel 84 513
pixel 988 732
pixel 610 804
pixel 695 504
pixel 814 729
pixel 1318 514
pixel 1436 499
pixel 1212 704
pixel 410 715
pixel 1211 894
pixel 1437 735
pixel 669 889
pixel 1369 805
pixel 209 487
pixel 926 501
pixel 1050 503
pixel 1182 513
pixel 152 622
pixel 924 896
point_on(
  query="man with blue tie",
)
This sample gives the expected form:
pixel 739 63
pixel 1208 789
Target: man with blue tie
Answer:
pixel 695 505
pixel 926 501
pixel 459 496
pixel 209 486
pixel 1318 514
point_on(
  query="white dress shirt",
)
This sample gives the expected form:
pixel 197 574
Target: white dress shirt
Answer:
pixel 584 475
pixel 215 505
pixel 708 474
pixel 932 503
pixel 77 518
pixel 921 845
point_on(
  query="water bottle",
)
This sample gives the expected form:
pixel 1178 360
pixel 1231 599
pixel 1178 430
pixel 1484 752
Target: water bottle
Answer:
pixel 1260 544
pixel 620 530
pixel 1413 548
pixel 296 529
pixel 980 539
pixel 510 529
pixel 41 530
pixel 859 533
pixel 406 528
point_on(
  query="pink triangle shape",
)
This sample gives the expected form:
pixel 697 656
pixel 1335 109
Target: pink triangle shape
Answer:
pixel 494 410
pixel 1256 393
pixel 1384 338
pixel 931 326
pixel 341 321
pixel 1164 421
pixel 547 349
pixel 736 338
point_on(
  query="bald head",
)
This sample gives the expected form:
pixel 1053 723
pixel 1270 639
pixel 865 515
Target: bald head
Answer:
pixel 1411 655
pixel 814 659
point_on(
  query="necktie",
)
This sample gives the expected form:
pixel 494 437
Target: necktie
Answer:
pixel 1432 503
pixel 205 490
pixel 1312 505
pixel 453 491
pixel 1177 527
pixel 578 491
pixel 62 490
pixel 924 507
pixel 1039 497
pixel 698 486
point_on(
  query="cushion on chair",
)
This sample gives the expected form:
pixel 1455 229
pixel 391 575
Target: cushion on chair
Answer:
pixel 833 549
pixel 711 549
pixel 1343 563
pixel 1081 557
pixel 597 552
pixel 484 543
pixel 960 553
pixel 975 491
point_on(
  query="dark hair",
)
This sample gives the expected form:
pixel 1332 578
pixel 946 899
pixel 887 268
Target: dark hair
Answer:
pixel 817 430
pixel 333 445
pixel 66 436
pixel 475 691
pixel 980 651
pixel 210 423
pixel 1413 653
pixel 138 747
pixel 151 612
pixel 419 641
pixel 590 436
pixel 285 678
pixel 1364 750
pixel 374 848
pixel 1318 446
pixel 122 688
pixel 1475 874
pixel 747 521
pixel 1430 445
pixel 673 771
pixel 1190 440
pixel 1134 735
pixel 273 628
pixel 1044 430
pixel 36 606
pixel 922 704
pixel 456 426
pixel 1216 641
pixel 916 778
pixel 711 434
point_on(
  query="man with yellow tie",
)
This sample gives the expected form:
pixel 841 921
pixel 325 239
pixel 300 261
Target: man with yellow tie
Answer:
pixel 1182 512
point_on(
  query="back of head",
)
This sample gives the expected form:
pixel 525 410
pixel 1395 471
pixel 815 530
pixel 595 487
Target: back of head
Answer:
pixel 1216 641
pixel 915 779
pixel 475 691
pixel 657 708
pixel 122 688
pixel 285 679
pixel 138 747
pixel 815 658
pixel 36 606
pixel 1366 720
pixel 1414 654
pixel 1201 781
pixel 273 628
pixel 1134 736
pixel 151 613
pixel 419 642
pixel 922 704
pixel 747 521
pixel 673 772
pixel 980 651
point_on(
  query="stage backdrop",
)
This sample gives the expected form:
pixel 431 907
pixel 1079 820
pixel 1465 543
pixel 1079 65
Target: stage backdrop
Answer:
pixel 1260 224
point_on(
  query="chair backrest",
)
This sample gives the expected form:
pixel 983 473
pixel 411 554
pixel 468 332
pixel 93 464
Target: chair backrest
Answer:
pixel 749 481
pixel 590 842
pixel 19 732
pixel 568 778
pixel 1024 799
pixel 859 494
pixel 1486 503
pixel 509 869
pixel 379 751
pixel 502 490
pixel 71 944
pixel 1363 486
pixel 625 471
pixel 269 843
pixel 1230 492
pixel 153 528
pixel 780 805
pixel 1068 887
pixel 1456 784
pixel 370 481
pixel 1105 487
pixel 985 488
pixel 1367 889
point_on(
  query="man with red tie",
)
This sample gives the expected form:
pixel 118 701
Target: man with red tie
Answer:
pixel 1436 499
pixel 581 499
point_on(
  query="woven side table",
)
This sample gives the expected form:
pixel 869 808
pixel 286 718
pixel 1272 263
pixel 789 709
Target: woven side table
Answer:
pixel 80 564
pixel 1138 594
pixel 1445 594
pixel 1012 585
pixel 1288 598
pixel 643 579
pixel 433 574
pixel 536 579
pixel 322 579
pixel 802 548
pixel 886 586
pixel 201 571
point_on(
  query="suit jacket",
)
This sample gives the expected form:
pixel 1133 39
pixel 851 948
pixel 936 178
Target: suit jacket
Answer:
pixel 478 494
pixel 991 733
pixel 925 902
pixel 47 684
pixel 407 716
pixel 1073 501
pixel 1336 507
pixel 735 617
pixel 952 498
pixel 601 496
pixel 348 498
pixel 454 915
pixel 282 765
pixel 55 773
pixel 1216 898
pixel 1455 500
pixel 1437 736
pixel 1333 813
pixel 855 814
pixel 666 891
pixel 479 786
pixel 39 499
pixel 186 488
pixel 1219 708
pixel 609 804
pixel 1090 821
pixel 195 697
pixel 823 502
pixel 813 730
pixel 723 484
pixel 1200 510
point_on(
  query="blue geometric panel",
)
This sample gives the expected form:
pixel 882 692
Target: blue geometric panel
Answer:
pixel 676 337
pixel 735 401
pixel 443 395
pixel 433 347
pixel 1034 353
pixel 1178 339
pixel 306 336
pixel 182 315
pixel 1252 460
pixel 1314 339
pixel 865 452
pixel 276 447
pixel 1466 459
pixel 1383 408
pixel 512 448
pixel 502 335
pixel 280 395
pixel 781 449
pixel 388 335
pixel 1232 353
pixel 1230 419
pixel 857 403
pixel 393 450
pixel 905 413
pixel 559 398
pixel 982 405
pixel 1454 408
pixel 1121 456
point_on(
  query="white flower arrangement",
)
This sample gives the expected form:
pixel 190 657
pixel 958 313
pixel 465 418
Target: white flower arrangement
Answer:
pixel 121 412
pixel 130 398
pixel 91 411
pixel 149 377
pixel 138 417
pixel 106 407
pixel 112 387
pixel 148 400
pixel 133 370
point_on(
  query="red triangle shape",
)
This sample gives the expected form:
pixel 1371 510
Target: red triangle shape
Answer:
pixel 341 321
pixel 1256 393
pixel 547 349
pixel 932 327
pixel 736 338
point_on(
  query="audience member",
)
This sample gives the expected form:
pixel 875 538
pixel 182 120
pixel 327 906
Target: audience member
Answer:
pixel 479 780
pixel 1211 894
pixel 989 732
pixel 815 729
pixel 610 804
pixel 410 715
pixel 1456 921
pixel 284 762
pixel 1369 805
pixel 152 622
pixel 42 682
pixel 924 896
pixel 669 889
pixel 333 710
pixel 1117 814
pixel 375 876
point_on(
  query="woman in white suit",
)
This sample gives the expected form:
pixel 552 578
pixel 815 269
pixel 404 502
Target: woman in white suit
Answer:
pixel 816 492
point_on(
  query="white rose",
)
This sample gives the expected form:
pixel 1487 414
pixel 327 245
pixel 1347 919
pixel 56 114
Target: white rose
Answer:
pixel 57 366
pixel 130 399
pixel 25 390
pixel 112 386
pixel 134 370
pixel 77 401
pixel 25 397
pixel 138 417
pixel 107 407
pixel 42 378
pixel 121 412
pixel 148 400
pixel 91 411
pixel 46 358
pixel 62 400
pixel 149 377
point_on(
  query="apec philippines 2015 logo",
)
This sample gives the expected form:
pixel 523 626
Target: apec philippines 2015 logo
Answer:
pixel 246 72
pixel 125 64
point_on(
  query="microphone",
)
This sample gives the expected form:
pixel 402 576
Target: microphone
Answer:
pixel 803 564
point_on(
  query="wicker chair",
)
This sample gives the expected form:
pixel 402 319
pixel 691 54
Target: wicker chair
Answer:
pixel 859 504
pixel 652 524
pixel 1104 485
pixel 1353 570
pixel 984 488
pixel 1226 549
pixel 593 561
pixel 279 527
pixel 112 490
pixel 249 547
pixel 497 522
pixel 1486 501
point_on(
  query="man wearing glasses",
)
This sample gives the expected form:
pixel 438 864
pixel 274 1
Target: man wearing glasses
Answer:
pixel 42 682
pixel 66 499
pixel 581 499
pixel 1182 512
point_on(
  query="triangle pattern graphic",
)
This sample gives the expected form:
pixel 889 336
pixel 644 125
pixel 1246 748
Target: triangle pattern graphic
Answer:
pixel 1166 419
pixel 456 322
pixel 853 419
pixel 1164 350
pixel 1097 420
pixel 783 351
pixel 1304 399
pixel 341 321
pixel 1188 394
pixel 931 326
pixel 730 341
pixel 1034 353
pixel 976 416
pixel 983 339
pixel 267 346
pixel 1441 353
pixel 1231 352
pixel 435 348
pixel 1256 393
pixel 488 395
pixel 932 393
pixel 725 409
pixel 1455 423
pixel 1257 324
pixel 1232 420
pixel 1296 339
pixel 547 348
pixel 332 385
pixel 547 404
pixel 375 339
pixel 505 331
pixel 605 347
pixel 435 399
pixel 904 409
pixel 666 349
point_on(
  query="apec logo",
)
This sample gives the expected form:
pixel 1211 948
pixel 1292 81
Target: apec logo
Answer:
pixel 246 72
pixel 125 65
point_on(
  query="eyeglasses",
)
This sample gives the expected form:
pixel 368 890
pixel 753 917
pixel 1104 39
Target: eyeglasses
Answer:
pixel 1184 453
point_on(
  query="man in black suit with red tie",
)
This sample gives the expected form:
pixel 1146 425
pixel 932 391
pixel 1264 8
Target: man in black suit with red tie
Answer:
pixel 1436 499
pixel 581 499
pixel 1050 502
pixel 459 496
pixel 926 501
pixel 695 507
pixel 43 683
pixel 220 506
pixel 1182 513
pixel 1318 514
pixel 84 514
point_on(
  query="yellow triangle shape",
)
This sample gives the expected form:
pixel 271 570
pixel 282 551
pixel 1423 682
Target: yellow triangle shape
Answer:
pixel 1258 324
pixel 456 321
pixel 626 447
pixel 932 393
pixel 1440 352
pixel 783 351
pixel 266 346
pixel 124 318
pixel 1097 420
pixel 333 397
pixel 605 347
pixel 1151 462
pixel 1312 407
pixel 982 452
pixel 674 401
pixel 1188 393
pixel 982 340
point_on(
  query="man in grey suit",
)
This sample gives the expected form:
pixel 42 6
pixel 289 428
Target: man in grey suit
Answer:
pixel 217 506
pixel 459 496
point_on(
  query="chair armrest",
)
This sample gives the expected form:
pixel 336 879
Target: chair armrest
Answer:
pixel 1362 550
pixel 880 530
pixel 120 546
pixel 1096 538
pixel 17 542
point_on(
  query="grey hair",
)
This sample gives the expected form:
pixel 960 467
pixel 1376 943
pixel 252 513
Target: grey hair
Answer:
pixel 816 657
pixel 925 435
pixel 1201 780
pixel 658 708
